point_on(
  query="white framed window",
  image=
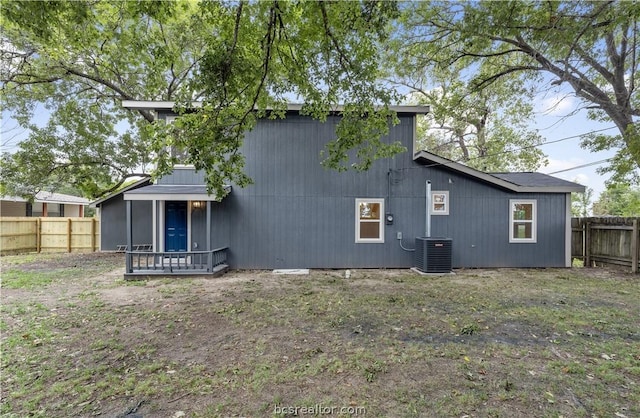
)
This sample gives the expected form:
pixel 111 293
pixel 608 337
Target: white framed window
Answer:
pixel 522 221
pixel 440 202
pixel 181 155
pixel 369 220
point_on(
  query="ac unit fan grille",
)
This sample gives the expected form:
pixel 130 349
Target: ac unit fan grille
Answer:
pixel 433 255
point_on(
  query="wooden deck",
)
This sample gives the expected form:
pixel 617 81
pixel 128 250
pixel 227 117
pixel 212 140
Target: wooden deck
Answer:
pixel 141 264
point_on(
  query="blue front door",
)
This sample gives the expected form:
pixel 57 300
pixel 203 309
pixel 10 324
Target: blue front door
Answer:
pixel 175 238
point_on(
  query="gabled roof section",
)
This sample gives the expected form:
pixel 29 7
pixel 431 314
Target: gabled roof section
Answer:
pixel 50 197
pixel 516 182
pixel 140 183
pixel 292 107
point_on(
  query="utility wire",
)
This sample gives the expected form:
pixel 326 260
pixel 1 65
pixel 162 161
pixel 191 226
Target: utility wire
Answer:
pixel 581 166
pixel 544 143
pixel 523 148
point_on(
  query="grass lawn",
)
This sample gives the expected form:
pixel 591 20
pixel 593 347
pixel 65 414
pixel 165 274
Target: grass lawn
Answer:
pixel 79 341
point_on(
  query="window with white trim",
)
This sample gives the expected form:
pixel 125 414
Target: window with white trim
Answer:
pixel 440 202
pixel 181 155
pixel 522 221
pixel 369 220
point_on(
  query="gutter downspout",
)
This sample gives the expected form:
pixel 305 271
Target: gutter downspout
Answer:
pixel 427 212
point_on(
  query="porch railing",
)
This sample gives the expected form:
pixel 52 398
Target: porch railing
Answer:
pixel 176 262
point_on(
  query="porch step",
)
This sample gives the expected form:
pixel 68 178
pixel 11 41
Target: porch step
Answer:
pixel 143 274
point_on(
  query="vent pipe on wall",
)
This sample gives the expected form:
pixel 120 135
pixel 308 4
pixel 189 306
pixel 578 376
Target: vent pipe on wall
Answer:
pixel 427 211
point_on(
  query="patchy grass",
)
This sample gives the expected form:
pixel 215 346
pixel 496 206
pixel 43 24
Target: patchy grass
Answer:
pixel 498 343
pixel 31 271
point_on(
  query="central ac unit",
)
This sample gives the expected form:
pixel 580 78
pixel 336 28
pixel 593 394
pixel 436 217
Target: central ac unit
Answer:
pixel 433 255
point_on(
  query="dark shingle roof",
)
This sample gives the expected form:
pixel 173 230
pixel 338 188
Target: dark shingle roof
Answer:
pixel 517 182
pixel 534 180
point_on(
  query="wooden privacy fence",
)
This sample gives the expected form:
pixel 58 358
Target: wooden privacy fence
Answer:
pixel 607 240
pixel 26 234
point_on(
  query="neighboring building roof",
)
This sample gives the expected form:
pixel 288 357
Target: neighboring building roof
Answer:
pixel 517 182
pixel 139 183
pixel 172 192
pixel 50 197
pixel 168 105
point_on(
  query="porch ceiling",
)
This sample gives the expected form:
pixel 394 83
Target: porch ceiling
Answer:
pixel 173 192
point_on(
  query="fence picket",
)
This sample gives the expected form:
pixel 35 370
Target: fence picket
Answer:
pixel 607 240
pixel 48 234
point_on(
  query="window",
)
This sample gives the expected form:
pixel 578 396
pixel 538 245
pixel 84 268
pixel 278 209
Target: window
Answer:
pixel 522 221
pixel 440 203
pixel 180 155
pixel 369 221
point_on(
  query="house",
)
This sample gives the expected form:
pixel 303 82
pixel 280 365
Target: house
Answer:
pixel 45 204
pixel 298 214
pixel 111 211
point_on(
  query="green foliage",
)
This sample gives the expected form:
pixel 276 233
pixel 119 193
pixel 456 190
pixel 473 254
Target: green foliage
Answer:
pixel 591 47
pixel 477 128
pixel 618 200
pixel 241 60
pixel 581 203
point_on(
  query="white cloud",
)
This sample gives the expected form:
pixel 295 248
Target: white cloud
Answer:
pixel 557 105
pixel 580 178
pixel 557 165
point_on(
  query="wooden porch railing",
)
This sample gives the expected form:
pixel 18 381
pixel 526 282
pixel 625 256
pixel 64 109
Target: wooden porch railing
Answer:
pixel 147 263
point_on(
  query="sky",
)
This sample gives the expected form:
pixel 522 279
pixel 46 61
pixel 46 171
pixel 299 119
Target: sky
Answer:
pixel 551 122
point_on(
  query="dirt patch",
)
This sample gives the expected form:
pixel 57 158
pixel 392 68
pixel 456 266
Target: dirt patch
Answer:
pixel 388 343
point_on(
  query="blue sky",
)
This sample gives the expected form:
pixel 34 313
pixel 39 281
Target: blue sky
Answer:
pixel 551 121
pixel 553 124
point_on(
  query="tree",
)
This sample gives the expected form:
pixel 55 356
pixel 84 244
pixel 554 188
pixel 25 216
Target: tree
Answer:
pixel 77 61
pixel 589 46
pixel 487 129
pixel 238 60
pixel 581 203
pixel 618 200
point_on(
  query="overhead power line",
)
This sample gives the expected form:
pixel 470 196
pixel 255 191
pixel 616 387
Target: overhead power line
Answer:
pixel 581 166
pixel 544 143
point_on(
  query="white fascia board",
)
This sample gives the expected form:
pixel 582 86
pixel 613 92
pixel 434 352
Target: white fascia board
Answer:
pixel 466 170
pixel 170 196
pixel 168 105
pixel 493 179
pixel 95 203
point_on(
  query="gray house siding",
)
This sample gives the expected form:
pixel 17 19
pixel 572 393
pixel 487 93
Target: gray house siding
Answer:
pixel 299 215
pixel 113 230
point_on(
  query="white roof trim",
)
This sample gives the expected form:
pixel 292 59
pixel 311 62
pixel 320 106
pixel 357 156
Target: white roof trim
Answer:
pixel 171 196
pixel 173 192
pixel 168 105
pixel 47 197
pixel 95 203
pixel 461 168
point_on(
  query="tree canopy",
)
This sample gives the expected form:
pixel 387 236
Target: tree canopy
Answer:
pixel 618 200
pixel 488 129
pixel 591 47
pixel 476 63
pixel 241 60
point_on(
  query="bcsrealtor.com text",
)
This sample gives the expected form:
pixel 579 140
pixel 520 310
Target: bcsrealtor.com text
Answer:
pixel 319 410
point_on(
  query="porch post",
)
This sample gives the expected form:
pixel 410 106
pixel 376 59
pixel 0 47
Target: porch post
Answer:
pixel 129 237
pixel 208 225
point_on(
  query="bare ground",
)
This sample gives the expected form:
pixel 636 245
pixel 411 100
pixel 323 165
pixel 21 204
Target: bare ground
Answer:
pixel 480 343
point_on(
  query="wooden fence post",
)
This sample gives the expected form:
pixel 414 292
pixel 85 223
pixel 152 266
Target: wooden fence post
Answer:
pixel 38 235
pixel 68 235
pixel 93 234
pixel 587 244
pixel 634 247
